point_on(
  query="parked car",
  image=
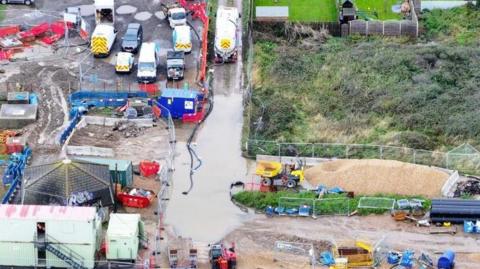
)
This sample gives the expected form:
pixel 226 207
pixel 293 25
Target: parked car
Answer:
pixel 132 40
pixel 24 2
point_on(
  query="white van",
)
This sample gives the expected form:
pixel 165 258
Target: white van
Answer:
pixel 148 62
pixel 182 38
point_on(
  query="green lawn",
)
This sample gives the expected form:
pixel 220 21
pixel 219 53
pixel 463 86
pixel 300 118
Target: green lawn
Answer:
pixel 306 10
pixel 377 9
pixel 2 12
pixel 326 10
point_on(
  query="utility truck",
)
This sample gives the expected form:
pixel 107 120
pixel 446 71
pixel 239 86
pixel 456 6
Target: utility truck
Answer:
pixel 104 35
pixel 226 34
pixel 182 38
pixel 175 65
pixel 148 62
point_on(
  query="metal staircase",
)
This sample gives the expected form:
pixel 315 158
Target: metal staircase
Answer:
pixel 64 253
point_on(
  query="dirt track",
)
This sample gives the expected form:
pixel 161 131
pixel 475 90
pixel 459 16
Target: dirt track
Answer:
pixel 255 239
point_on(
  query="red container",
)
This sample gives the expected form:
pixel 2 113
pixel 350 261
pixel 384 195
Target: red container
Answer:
pixel 134 200
pixel 149 169
pixel 15 144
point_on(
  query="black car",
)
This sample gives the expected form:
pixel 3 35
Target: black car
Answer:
pixel 132 40
pixel 24 2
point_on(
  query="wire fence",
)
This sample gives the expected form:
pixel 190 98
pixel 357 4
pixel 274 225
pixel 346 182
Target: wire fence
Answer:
pixel 165 180
pixel 465 158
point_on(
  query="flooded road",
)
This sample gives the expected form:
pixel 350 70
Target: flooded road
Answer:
pixel 206 213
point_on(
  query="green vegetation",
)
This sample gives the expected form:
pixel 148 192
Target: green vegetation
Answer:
pixel 391 91
pixel 306 10
pixel 2 12
pixel 461 24
pixel 326 10
pixel 378 9
pixel 260 200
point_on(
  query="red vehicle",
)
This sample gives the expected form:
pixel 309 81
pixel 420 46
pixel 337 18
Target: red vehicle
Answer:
pixel 135 199
pixel 221 257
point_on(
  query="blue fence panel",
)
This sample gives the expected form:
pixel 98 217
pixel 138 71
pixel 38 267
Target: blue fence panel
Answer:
pixel 103 99
pixel 14 172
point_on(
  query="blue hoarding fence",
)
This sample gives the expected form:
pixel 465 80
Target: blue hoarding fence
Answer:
pixel 14 172
pixel 103 99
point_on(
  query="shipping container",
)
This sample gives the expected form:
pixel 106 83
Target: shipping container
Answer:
pixel 178 102
pixel 123 167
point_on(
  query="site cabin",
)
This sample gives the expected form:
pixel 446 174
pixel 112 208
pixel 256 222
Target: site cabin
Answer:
pixel 148 62
pixel 182 38
pixel 48 236
pixel 125 234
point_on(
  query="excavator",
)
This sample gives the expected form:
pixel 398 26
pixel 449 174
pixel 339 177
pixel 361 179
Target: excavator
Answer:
pixel 222 257
pixel 275 174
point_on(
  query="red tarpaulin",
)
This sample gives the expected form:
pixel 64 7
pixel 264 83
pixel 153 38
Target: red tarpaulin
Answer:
pixel 9 30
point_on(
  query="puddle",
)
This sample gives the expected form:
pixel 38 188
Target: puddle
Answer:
pixel 160 15
pixel 443 4
pixel 143 16
pixel 126 9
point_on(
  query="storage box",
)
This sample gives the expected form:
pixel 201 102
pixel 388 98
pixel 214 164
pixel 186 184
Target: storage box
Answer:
pixel 16 144
pixel 16 116
pixel 18 97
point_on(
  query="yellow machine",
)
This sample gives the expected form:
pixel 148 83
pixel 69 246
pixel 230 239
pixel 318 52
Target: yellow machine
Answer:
pixel 274 173
pixel 360 255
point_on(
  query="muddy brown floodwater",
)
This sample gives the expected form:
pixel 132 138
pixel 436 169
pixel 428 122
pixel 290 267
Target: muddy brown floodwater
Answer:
pixel 206 213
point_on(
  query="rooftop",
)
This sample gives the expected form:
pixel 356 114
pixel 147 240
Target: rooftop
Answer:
pixel 46 212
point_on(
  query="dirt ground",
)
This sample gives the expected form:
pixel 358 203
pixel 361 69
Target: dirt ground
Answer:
pixel 378 176
pixel 255 239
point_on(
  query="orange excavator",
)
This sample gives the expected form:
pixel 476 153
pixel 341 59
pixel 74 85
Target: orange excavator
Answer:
pixel 221 257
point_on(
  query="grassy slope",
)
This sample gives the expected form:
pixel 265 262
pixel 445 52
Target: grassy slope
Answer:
pixel 306 10
pixel 383 91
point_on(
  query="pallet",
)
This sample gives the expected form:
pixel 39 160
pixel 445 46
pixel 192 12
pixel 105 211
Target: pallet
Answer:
pixel 443 230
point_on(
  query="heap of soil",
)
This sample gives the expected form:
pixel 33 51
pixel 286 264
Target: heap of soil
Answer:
pixel 378 176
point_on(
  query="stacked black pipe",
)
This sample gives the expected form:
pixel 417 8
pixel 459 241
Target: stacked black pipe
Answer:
pixel 455 210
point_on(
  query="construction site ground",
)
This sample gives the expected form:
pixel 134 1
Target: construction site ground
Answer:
pixel 205 214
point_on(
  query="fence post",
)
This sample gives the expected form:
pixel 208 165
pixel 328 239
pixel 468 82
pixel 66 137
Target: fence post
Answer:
pixel 446 161
pixel 414 156
pixel 279 149
pixel 381 152
pixel 313 150
pixel 347 148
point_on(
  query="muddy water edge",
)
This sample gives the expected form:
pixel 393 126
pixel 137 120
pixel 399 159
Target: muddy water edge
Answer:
pixel 206 213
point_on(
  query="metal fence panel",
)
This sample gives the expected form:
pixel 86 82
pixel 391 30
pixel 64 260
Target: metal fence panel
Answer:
pixel 330 150
pixel 332 206
pixel 376 203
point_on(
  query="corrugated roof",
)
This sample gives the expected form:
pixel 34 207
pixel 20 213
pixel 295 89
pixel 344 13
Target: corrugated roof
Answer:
pixel 179 93
pixel 123 225
pixel 122 165
pixel 44 213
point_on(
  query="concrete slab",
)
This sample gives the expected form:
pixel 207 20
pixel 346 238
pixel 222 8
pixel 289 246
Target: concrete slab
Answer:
pixel 16 116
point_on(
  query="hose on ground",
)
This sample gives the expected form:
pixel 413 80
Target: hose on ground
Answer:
pixel 191 151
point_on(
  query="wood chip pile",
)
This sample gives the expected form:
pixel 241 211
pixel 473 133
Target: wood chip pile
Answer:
pixel 378 176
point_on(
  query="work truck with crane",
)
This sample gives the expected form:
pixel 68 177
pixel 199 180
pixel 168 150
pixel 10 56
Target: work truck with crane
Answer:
pixel 226 40
pixel 104 35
